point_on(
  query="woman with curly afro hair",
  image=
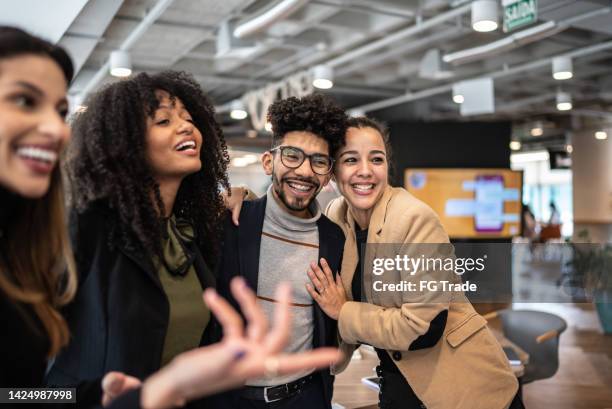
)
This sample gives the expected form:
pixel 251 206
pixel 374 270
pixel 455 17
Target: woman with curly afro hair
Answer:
pixel 146 165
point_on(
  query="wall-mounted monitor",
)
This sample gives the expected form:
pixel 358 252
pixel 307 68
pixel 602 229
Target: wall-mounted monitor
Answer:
pixel 471 203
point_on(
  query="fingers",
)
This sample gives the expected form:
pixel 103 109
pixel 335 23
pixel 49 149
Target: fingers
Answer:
pixel 315 295
pixel 339 284
pixel 257 323
pixel 233 202
pixel 315 280
pixel 115 384
pixel 112 384
pixel 320 275
pixel 317 358
pixel 228 317
pixel 236 213
pixel 279 335
pixel 327 271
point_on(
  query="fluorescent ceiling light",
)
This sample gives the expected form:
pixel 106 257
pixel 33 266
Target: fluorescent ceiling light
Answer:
pixel 484 15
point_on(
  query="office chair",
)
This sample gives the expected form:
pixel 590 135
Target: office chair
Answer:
pixel 537 333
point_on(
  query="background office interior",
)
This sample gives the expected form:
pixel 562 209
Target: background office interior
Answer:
pixel 532 92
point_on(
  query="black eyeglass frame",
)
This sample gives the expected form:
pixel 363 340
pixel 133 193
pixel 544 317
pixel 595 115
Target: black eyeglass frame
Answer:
pixel 304 156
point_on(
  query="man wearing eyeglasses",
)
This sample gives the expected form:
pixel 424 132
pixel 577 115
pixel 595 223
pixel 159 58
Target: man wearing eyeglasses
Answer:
pixel 277 238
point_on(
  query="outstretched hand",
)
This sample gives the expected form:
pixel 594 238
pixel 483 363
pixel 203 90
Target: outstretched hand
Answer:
pixel 243 353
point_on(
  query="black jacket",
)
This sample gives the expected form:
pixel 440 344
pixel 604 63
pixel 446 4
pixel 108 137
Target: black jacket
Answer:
pixel 24 344
pixel 241 258
pixel 119 317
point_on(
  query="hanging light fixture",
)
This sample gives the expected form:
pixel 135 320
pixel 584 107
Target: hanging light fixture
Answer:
pixel 601 135
pixel 237 110
pixel 484 15
pixel 322 77
pixel 562 68
pixel 458 97
pixel 120 64
pixel 538 129
pixel 564 101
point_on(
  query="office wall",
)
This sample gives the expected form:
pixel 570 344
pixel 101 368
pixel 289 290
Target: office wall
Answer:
pixel 449 145
pixel 592 185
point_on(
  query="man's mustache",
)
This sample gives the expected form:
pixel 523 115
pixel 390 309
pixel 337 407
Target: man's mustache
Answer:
pixel 301 179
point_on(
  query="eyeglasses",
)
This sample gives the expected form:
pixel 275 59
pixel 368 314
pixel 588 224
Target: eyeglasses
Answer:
pixel 293 158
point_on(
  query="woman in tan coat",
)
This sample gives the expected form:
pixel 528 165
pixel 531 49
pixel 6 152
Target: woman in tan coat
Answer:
pixel 435 350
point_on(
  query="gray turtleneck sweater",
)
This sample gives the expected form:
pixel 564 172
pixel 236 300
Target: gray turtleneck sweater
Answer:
pixel 288 245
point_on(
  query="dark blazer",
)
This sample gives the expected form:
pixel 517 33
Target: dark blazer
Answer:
pixel 119 317
pixel 23 359
pixel 241 258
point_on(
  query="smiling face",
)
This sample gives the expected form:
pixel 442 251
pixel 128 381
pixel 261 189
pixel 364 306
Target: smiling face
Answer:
pixel 361 171
pixel 173 140
pixel 33 132
pixel 296 188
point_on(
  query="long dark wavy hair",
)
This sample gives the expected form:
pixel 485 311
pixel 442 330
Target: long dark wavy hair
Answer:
pixel 107 162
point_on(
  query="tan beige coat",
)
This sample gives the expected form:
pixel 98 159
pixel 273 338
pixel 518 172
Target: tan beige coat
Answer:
pixel 466 369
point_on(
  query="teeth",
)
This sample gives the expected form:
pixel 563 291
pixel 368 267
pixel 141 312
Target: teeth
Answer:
pixel 364 187
pixel 186 145
pixel 38 154
pixel 299 186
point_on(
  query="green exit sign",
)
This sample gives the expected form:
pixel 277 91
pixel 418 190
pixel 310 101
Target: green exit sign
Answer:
pixel 518 13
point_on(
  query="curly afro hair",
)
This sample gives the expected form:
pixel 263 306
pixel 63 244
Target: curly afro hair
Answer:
pixel 107 162
pixel 314 113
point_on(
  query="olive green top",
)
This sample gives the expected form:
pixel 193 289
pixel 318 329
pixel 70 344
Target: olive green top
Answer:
pixel 188 313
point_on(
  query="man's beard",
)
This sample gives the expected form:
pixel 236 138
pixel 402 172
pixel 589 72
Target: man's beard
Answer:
pixel 300 203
